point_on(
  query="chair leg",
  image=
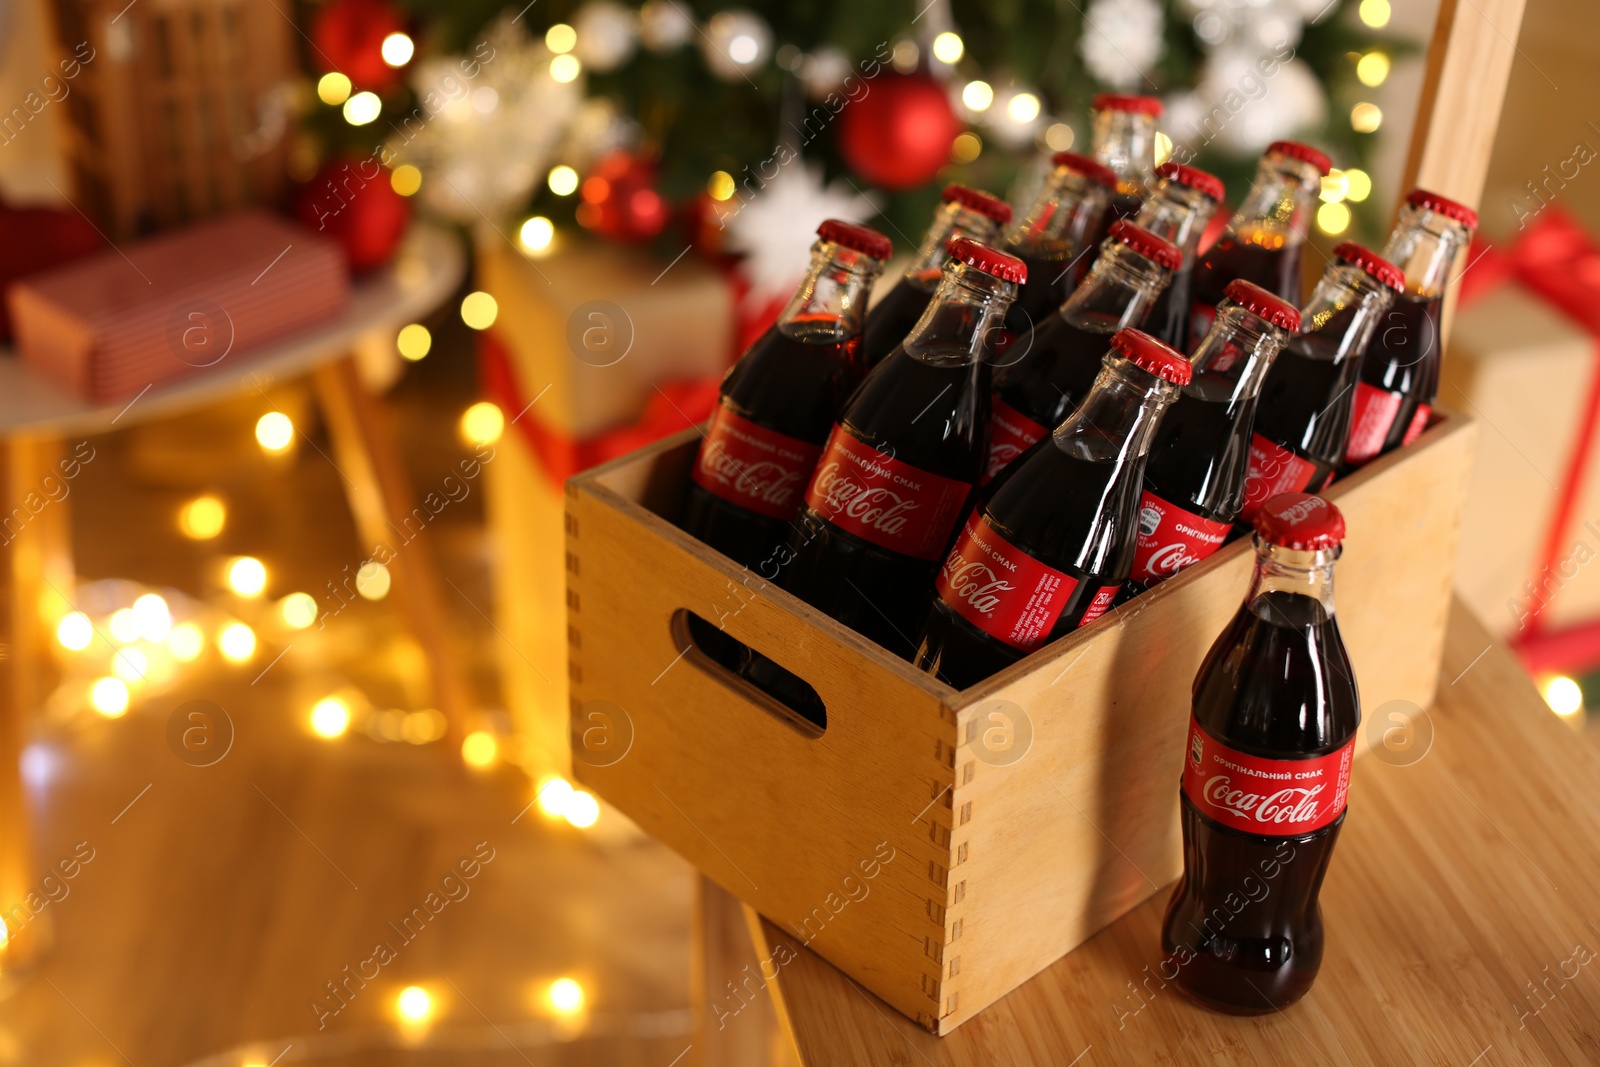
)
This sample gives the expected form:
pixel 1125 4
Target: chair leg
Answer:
pixel 382 500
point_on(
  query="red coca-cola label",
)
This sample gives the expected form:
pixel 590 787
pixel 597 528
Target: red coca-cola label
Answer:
pixel 1005 592
pixel 752 466
pixel 1273 470
pixel 1374 415
pixel 1265 797
pixel 1419 422
pixel 880 499
pixel 1171 539
pixel 1099 605
pixel 1011 433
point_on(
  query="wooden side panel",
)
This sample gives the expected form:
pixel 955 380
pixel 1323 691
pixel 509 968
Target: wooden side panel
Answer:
pixel 842 838
pixel 1056 844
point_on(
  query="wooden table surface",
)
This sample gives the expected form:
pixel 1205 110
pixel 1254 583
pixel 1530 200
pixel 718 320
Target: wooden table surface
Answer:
pixel 1462 913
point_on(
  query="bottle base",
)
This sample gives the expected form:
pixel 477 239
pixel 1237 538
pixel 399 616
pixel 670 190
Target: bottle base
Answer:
pixel 1226 1008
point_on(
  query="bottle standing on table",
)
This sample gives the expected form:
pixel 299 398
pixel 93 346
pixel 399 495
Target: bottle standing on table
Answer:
pixel 1263 240
pixel 1178 208
pixel 1303 418
pixel 1265 777
pixel 1066 220
pixel 1194 480
pixel 1048 549
pixel 779 401
pixel 902 460
pixel 962 212
pixel 1048 371
pixel 1400 370
pixel 1125 140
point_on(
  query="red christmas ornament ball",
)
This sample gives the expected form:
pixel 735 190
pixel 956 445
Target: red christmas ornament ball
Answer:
pixel 899 134
pixel 620 200
pixel 351 201
pixel 348 35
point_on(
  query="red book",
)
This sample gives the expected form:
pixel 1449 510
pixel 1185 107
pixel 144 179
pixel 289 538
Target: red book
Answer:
pixel 110 325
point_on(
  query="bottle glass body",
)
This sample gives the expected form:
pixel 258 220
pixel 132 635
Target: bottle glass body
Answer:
pixel 1303 418
pixel 893 317
pixel 1125 141
pixel 1399 381
pixel 1178 214
pixel 1051 238
pixel 1266 775
pixel 1051 542
pixel 1046 373
pixel 899 468
pixel 1263 241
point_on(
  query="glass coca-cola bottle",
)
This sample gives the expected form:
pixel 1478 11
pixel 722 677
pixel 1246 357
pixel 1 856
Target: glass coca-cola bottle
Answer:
pixel 1400 370
pixel 962 212
pixel 1124 139
pixel 902 460
pixel 1266 775
pixel 1046 552
pixel 1046 373
pixel 1263 240
pixel 1066 219
pixel 778 403
pixel 1180 204
pixel 1194 480
pixel 1303 419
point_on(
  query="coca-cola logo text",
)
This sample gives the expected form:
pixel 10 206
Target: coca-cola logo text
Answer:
pixel 1300 512
pixel 975 582
pixel 876 506
pixel 763 479
pixel 1293 804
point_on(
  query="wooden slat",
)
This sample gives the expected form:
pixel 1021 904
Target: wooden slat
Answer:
pixel 1461 886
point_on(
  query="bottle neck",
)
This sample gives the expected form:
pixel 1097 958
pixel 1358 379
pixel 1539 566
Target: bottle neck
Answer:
pixel 950 220
pixel 1343 311
pixel 1121 288
pixel 1278 209
pixel 1290 571
pixel 1125 141
pixel 957 322
pixel 1057 225
pixel 1232 359
pixel 831 302
pixel 1424 244
pixel 1118 418
pixel 1179 214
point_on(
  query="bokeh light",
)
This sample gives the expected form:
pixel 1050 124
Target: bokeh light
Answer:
pixel 948 47
pixel 153 617
pixel 479 748
pixel 397 49
pixel 414 1004
pixel 536 234
pixel 202 518
pixel 237 642
pixel 298 610
pixel 373 580
pixel 413 341
pixel 563 180
pixel 75 631
pixel 123 626
pixel 482 423
pixel 109 696
pixel 274 431
pixel 1564 695
pixel 186 642
pixel 405 179
pixel 978 95
pixel 479 310
pixel 330 717
pixel 362 108
pixel 1372 69
pixel 247 576
pixel 565 996
pixel 333 88
pixel 560 38
pixel 1333 219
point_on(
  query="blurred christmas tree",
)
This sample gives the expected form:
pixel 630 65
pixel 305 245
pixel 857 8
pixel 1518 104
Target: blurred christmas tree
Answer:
pixel 628 120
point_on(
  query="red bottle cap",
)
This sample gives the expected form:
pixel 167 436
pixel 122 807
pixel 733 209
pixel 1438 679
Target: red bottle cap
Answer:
pixel 1300 521
pixel 1263 304
pixel 979 201
pixel 1088 166
pixel 1147 353
pixel 989 260
pixel 1446 207
pixel 1303 152
pixel 1195 178
pixel 1375 265
pixel 863 239
pixel 1144 105
pixel 1146 243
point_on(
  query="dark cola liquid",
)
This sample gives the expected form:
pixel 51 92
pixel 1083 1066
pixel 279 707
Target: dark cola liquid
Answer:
pixel 1071 513
pixel 1277 270
pixel 793 381
pixel 891 319
pixel 1308 397
pixel 1403 357
pixel 1169 316
pixel 1051 280
pixel 1047 373
pixel 933 417
pixel 1201 451
pixel 1277 684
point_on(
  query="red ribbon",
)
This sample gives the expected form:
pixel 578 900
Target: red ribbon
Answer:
pixel 1560 262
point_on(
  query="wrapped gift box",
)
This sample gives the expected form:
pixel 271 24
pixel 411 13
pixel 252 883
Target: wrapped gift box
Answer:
pixel 1527 368
pixel 111 325
pixel 611 352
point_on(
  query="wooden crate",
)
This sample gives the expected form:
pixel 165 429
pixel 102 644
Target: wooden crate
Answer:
pixel 895 842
